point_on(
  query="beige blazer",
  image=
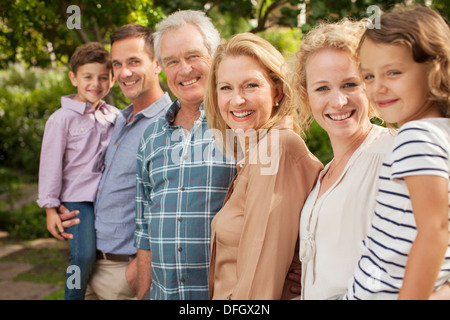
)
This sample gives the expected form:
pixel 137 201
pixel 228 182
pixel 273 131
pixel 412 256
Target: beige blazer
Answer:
pixel 254 235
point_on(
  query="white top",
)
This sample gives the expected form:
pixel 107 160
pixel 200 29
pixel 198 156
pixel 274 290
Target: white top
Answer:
pixel 421 148
pixel 333 226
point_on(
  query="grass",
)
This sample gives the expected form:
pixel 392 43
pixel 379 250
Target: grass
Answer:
pixel 23 220
pixel 49 267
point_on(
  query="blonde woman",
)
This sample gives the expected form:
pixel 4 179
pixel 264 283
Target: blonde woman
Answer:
pixel 338 212
pixel 254 235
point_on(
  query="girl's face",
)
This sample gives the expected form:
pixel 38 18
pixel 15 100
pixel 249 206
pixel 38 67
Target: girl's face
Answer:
pixel 336 94
pixel 396 84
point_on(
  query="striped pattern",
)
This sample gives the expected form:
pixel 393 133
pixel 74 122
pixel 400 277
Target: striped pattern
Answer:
pixel 181 185
pixel 420 148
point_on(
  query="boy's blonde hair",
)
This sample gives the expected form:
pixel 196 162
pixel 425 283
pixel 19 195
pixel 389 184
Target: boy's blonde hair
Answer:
pixel 427 34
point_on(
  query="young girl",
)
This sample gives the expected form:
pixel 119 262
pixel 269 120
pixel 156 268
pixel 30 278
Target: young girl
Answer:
pixel 405 65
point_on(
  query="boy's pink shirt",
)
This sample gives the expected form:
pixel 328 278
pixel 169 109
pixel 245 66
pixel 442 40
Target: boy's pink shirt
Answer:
pixel 75 140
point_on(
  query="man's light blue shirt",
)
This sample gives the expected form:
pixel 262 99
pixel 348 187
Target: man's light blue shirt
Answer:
pixel 115 205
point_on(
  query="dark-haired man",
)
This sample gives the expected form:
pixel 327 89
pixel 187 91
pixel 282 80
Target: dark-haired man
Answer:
pixel 136 71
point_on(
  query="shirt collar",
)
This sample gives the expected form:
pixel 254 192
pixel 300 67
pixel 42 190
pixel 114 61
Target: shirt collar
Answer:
pixel 175 107
pixel 68 102
pixel 151 111
pixel 155 108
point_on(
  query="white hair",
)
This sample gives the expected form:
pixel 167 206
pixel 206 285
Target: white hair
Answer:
pixel 180 19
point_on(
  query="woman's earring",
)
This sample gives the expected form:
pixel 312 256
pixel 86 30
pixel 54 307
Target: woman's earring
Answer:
pixel 277 103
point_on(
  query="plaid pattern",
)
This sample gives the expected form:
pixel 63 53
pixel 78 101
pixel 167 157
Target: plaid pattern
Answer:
pixel 181 185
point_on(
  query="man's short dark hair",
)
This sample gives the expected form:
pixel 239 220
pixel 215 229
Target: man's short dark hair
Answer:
pixel 134 30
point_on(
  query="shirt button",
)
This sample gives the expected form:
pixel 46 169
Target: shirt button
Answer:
pixel 180 219
pixel 182 188
pixel 82 129
pixel 117 144
pixel 182 280
pixel 180 249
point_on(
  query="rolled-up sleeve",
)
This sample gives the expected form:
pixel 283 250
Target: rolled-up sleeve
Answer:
pixel 51 163
pixel 141 236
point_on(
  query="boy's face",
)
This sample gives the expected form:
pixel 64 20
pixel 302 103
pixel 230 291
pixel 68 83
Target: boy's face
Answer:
pixel 93 82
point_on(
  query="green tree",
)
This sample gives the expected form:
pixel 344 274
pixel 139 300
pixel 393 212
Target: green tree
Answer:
pixel 261 15
pixel 317 10
pixel 37 32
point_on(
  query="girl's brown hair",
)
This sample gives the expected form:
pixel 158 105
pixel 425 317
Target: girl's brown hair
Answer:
pixel 427 34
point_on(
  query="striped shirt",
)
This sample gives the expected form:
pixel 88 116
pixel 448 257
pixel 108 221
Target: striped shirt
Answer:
pixel 182 180
pixel 420 148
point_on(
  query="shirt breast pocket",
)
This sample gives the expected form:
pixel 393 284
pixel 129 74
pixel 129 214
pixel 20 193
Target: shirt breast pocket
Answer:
pixel 79 133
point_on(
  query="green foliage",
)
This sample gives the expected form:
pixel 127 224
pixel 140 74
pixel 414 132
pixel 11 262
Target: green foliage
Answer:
pixel 26 223
pixel 33 30
pixel 228 24
pixel 318 143
pixel 27 98
pixel 9 187
pixel 286 40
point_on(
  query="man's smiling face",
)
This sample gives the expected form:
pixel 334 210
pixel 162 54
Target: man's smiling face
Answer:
pixel 186 62
pixel 134 67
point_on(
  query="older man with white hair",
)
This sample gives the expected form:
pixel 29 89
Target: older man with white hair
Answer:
pixel 181 184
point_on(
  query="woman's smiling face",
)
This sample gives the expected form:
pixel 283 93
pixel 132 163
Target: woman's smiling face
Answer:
pixel 336 95
pixel 245 94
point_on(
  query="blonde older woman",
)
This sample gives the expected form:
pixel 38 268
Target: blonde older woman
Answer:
pixel 338 212
pixel 254 235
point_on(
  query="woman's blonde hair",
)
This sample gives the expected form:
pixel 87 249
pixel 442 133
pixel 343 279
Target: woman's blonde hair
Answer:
pixel 342 35
pixel 248 44
pixel 427 35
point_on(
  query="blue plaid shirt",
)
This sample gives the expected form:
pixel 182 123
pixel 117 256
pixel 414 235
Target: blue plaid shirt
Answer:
pixel 182 180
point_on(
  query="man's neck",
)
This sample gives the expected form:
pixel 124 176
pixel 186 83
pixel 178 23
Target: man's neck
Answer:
pixel 188 114
pixel 143 103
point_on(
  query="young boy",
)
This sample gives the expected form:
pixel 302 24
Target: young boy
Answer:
pixel 73 147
